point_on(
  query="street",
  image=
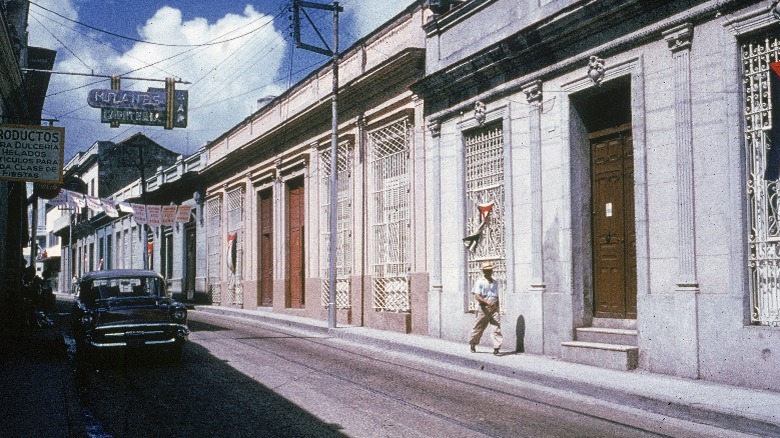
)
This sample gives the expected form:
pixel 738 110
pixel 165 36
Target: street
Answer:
pixel 239 379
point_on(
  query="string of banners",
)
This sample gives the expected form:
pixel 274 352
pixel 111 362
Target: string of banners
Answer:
pixel 153 215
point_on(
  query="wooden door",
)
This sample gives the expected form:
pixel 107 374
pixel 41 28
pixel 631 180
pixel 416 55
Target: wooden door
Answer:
pixel 266 289
pixel 614 236
pixel 295 248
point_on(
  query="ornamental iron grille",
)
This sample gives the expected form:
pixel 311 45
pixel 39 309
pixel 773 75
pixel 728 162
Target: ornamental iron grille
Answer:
pixel 388 215
pixel 763 196
pixel 343 225
pixel 485 185
pixel 214 245
pixel 235 224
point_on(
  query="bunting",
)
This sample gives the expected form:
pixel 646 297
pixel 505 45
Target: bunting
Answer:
pixel 154 215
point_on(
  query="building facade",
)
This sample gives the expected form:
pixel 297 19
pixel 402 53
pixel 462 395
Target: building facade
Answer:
pixel 21 99
pixel 633 224
pixel 267 197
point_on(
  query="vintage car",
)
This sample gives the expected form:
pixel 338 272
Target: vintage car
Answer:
pixel 122 309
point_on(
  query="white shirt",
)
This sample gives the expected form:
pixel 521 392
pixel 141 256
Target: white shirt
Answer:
pixel 486 289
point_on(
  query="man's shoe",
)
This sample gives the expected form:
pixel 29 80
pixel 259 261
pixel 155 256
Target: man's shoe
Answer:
pixel 496 352
pixel 473 348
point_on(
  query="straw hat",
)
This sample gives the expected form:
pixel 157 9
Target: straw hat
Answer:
pixel 487 266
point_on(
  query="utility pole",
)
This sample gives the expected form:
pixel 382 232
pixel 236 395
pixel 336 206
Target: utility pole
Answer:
pixel 300 6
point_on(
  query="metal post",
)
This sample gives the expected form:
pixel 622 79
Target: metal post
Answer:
pixel 71 273
pixel 144 232
pixel 333 171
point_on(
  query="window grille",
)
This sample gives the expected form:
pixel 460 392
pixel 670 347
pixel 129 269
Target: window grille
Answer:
pixel 235 224
pixel 343 225
pixel 763 197
pixel 214 245
pixel 485 184
pixel 388 211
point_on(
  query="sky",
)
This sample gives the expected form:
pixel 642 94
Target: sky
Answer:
pixel 232 53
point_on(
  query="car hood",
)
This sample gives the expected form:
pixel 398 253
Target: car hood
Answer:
pixel 134 310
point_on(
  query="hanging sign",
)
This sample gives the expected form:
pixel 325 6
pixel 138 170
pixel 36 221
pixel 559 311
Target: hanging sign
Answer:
pixel 147 108
pixel 31 153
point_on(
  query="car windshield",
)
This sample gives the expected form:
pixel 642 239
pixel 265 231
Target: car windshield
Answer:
pixel 122 287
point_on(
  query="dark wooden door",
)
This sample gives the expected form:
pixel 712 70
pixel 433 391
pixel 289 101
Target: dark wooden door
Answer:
pixel 614 235
pixel 295 247
pixel 191 258
pixel 266 288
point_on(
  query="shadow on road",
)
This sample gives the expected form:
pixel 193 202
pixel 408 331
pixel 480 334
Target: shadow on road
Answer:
pixel 139 395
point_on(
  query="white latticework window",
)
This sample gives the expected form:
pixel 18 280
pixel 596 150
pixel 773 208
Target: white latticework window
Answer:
pixel 343 225
pixel 485 185
pixel 235 224
pixel 214 245
pixel 388 212
pixel 763 196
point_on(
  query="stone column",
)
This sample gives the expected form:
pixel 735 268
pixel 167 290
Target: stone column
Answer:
pixel 679 40
pixel 434 200
pixel 533 95
pixel 535 332
pixel 684 335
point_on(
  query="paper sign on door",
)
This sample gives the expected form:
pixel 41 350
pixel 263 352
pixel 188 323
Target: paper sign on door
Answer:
pixel 609 209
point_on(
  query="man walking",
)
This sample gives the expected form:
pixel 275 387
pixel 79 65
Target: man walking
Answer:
pixel 486 293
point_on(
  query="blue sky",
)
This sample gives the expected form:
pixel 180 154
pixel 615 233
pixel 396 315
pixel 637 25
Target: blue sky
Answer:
pixel 227 78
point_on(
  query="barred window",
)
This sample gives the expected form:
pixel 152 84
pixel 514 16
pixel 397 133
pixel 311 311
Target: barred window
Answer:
pixel 343 225
pixel 484 163
pixel 763 199
pixel 235 225
pixel 388 213
pixel 214 245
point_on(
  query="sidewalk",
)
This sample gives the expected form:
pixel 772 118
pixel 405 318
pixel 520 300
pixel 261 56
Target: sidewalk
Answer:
pixel 746 410
pixel 36 385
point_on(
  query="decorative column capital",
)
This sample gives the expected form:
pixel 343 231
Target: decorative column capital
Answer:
pixel 434 127
pixel 680 37
pixel 533 92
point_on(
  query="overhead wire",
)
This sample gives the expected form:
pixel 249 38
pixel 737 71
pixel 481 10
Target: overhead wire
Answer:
pixel 62 43
pixel 137 40
pixel 101 42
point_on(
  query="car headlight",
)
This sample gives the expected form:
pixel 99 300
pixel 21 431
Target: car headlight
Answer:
pixel 179 314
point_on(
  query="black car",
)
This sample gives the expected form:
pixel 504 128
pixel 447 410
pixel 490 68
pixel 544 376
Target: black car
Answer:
pixel 122 309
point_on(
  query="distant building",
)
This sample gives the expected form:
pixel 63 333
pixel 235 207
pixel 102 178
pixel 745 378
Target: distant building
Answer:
pixel 86 237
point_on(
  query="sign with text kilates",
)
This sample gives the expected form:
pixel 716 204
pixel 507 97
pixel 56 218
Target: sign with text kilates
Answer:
pixel 138 107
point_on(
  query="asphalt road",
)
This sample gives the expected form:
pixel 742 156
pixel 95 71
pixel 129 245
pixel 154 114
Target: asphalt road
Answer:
pixel 238 379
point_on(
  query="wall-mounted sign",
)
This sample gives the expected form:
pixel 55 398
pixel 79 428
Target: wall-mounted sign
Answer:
pixel 31 153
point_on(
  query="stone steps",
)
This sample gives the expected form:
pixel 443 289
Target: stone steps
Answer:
pixel 608 343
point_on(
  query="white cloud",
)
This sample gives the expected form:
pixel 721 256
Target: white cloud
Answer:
pixel 370 14
pixel 226 78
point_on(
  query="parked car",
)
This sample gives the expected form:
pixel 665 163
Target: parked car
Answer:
pixel 123 309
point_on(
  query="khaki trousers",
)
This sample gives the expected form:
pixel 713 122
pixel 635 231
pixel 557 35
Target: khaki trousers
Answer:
pixel 487 317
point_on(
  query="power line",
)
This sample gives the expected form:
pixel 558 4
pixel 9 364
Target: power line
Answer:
pixel 104 43
pixel 210 43
pixel 61 43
